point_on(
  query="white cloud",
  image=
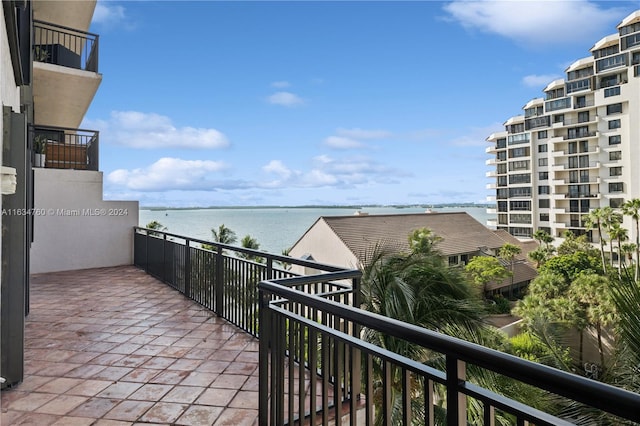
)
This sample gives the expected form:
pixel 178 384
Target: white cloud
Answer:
pixel 539 81
pixel 153 131
pixel 537 22
pixel 477 136
pixel 280 84
pixel 357 133
pixel 329 172
pixel 287 99
pixel 172 174
pixel 338 142
pixel 106 13
pixel 277 167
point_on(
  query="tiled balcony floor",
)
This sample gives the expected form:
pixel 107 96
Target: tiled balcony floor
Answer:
pixel 115 346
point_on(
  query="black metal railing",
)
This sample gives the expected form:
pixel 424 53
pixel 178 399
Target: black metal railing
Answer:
pixel 68 47
pixel 356 381
pixel 65 148
pixel 218 277
pixel 315 367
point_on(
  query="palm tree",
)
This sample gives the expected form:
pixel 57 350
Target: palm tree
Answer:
pixel 250 243
pixel 592 292
pixel 628 249
pixel 224 235
pixel 631 208
pixel 619 234
pixel 543 237
pixel 417 288
pixel 154 224
pixel 594 220
pixel 611 219
pixel 157 226
pixel 509 252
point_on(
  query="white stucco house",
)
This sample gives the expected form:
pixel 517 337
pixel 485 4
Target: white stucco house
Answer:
pixel 348 241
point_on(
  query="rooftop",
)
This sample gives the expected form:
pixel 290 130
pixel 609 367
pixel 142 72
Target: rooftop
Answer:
pixel 116 346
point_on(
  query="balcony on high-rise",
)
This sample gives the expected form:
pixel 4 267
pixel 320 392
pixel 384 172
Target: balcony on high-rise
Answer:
pixel 65 74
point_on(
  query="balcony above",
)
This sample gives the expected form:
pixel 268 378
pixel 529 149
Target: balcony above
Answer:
pixel 65 74
pixel 75 14
pixel 65 148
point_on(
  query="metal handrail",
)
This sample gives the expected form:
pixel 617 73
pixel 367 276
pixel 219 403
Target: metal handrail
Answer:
pixel 596 394
pixel 69 47
pixel 66 148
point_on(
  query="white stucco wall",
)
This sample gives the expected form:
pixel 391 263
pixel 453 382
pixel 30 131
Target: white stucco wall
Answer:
pixel 324 245
pixel 74 228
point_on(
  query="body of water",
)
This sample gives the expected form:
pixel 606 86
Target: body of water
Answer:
pixel 275 229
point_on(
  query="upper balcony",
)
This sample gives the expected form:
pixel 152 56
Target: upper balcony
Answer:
pixel 63 148
pixel 65 73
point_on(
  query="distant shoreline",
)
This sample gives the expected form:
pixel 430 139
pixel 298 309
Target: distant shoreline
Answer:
pixel 354 206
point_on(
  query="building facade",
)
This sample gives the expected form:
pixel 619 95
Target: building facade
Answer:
pixel 53 215
pixel 576 148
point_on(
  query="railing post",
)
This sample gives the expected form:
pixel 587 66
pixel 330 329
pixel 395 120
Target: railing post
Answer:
pixel 219 282
pixel 270 268
pixel 146 251
pixel 164 263
pixel 356 357
pixel 187 268
pixel 456 401
pixel 263 358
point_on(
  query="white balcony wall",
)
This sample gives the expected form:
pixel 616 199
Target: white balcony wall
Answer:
pixel 74 228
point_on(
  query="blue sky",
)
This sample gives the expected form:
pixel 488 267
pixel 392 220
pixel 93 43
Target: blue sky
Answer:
pixel 211 103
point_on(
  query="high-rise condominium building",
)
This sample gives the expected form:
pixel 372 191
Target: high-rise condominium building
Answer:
pixel 576 149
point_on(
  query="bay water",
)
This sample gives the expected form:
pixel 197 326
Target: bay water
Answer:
pixel 276 228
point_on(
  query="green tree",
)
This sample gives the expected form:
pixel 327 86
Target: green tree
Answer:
pixel 625 295
pixel 423 240
pixel 417 288
pixel 591 291
pixel 155 225
pixel 631 208
pixel 485 269
pixel 601 219
pixel 540 255
pixel 286 265
pixel 223 235
pixel 570 265
pixel 596 219
pixel 549 314
pixel 573 244
pixel 509 252
pixel 249 242
pixel 628 250
pixel 543 237
pixel 619 234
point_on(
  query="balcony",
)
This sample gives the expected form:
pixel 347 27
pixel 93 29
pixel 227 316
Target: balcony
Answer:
pixel 580 135
pixel 583 104
pixel 118 344
pixel 65 73
pixel 566 166
pixel 581 195
pixel 67 47
pixel 594 149
pixel 66 148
